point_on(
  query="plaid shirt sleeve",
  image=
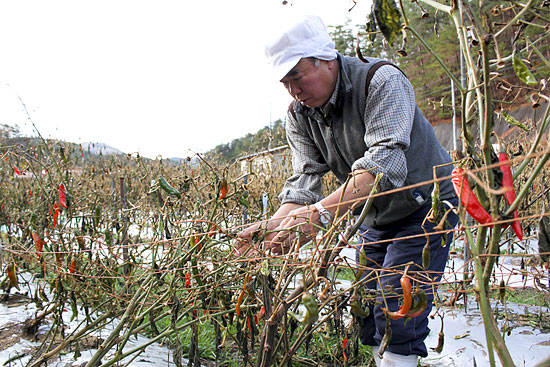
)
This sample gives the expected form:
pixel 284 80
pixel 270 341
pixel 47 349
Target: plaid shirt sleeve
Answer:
pixel 304 186
pixel 389 115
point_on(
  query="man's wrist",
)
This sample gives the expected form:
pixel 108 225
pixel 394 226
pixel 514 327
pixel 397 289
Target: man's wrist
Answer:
pixel 324 215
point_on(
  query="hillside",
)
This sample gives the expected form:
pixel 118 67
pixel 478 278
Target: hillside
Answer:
pixel 264 139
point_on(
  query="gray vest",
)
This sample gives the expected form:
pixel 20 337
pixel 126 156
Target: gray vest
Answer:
pixel 340 140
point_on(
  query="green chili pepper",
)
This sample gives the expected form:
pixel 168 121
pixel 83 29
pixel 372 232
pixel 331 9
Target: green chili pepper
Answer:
pixel 312 310
pixel 502 290
pixel 171 190
pixel 513 121
pixel 108 237
pixel 440 342
pixel 386 339
pixel 74 308
pixel 362 265
pixel 264 269
pixel 426 256
pixel 436 204
pixel 443 238
pixel 419 305
pixel 522 71
pixel 357 309
pixel 12 275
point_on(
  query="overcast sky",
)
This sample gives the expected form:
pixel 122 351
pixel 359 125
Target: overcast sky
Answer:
pixel 156 77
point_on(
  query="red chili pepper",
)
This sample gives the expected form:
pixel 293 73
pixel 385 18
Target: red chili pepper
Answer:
pixel 248 323
pixel 62 196
pixel 261 313
pixel 239 301
pixel 407 300
pixel 194 311
pixel 72 268
pixel 55 213
pixel 345 351
pixel 187 280
pixel 223 189
pixel 38 244
pixel 510 194
pixel 468 198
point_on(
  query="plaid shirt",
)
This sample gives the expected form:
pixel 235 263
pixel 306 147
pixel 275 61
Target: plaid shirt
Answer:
pixel 389 115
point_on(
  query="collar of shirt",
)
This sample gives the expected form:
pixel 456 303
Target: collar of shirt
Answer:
pixel 328 107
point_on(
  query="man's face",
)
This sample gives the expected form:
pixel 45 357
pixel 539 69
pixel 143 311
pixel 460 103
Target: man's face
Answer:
pixel 309 84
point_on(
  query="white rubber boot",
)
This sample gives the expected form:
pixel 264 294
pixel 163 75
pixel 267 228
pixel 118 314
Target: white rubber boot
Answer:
pixel 377 359
pixel 397 360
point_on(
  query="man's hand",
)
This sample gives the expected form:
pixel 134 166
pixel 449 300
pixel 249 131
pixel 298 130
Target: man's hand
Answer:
pixel 299 223
pixel 250 239
pixel 259 232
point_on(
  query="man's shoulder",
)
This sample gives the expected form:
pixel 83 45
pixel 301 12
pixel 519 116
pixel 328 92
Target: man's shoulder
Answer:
pixel 356 68
pixel 366 62
pixel 387 71
pixel 374 71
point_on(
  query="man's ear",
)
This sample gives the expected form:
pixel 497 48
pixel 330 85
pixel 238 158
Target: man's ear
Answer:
pixel 332 64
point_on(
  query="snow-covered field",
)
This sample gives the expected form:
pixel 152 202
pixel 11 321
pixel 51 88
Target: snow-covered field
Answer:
pixel 465 343
pixel 155 354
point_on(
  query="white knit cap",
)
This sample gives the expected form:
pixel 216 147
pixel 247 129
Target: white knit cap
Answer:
pixel 306 38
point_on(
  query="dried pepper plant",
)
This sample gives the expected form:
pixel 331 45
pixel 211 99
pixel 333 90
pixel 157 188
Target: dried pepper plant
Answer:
pixel 149 244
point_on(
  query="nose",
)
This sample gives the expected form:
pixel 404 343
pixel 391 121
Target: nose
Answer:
pixel 293 89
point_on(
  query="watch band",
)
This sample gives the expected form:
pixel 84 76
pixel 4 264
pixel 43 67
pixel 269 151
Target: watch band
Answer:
pixel 324 215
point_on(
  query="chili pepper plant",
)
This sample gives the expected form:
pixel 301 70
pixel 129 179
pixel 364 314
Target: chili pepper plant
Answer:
pixel 149 245
pixel 499 188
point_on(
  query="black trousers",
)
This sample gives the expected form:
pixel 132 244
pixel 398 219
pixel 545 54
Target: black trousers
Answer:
pixel 401 243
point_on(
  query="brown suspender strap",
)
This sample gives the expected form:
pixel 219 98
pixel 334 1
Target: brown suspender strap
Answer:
pixel 373 69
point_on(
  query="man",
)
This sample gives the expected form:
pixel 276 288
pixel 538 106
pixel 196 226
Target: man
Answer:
pixel 342 122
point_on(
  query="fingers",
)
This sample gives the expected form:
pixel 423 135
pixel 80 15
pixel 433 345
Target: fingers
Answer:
pixel 281 242
pixel 244 242
pixel 281 236
pixel 242 246
pixel 247 233
pixel 286 234
pixel 279 239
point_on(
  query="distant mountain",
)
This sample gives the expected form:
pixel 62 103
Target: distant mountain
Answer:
pixel 97 148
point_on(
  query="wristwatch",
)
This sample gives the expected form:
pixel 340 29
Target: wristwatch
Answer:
pixel 324 215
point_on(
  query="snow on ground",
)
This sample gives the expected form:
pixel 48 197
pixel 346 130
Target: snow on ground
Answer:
pixel 465 343
pixel 465 338
pixel 155 354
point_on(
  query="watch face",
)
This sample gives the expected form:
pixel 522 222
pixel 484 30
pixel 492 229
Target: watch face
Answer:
pixel 323 219
pixel 324 215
